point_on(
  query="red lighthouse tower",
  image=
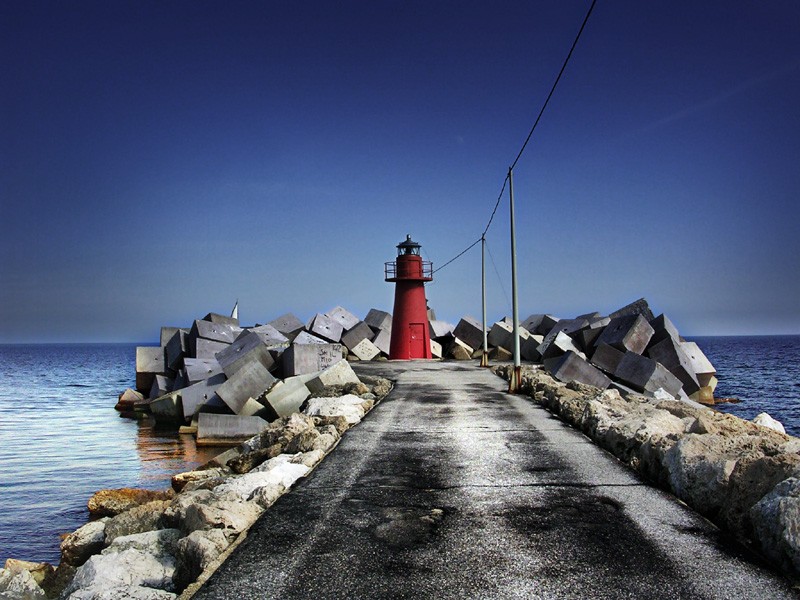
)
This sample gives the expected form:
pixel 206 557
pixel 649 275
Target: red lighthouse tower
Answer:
pixel 411 336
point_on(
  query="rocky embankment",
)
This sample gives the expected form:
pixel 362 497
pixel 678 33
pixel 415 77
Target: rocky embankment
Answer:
pixel 154 545
pixel 742 476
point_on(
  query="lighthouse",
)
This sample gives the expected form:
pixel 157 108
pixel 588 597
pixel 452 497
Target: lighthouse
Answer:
pixel 411 336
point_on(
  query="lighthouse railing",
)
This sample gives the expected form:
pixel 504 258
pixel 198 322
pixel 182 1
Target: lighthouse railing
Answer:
pixel 390 271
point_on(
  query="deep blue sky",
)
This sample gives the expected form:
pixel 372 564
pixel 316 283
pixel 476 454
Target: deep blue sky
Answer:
pixel 159 160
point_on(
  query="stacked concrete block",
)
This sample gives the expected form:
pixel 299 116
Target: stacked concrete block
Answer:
pixel 497 353
pixel 217 429
pixel 339 373
pixel 646 375
pixel 360 331
pixel 436 349
pixel 299 359
pixel 287 396
pixel 150 361
pixel 379 320
pixel 663 328
pixel 325 327
pixel 500 333
pixel 161 385
pixel 382 341
pixel 607 358
pixel 198 369
pixel 585 339
pixel 344 317
pixel 199 394
pixel 271 337
pixel 571 367
pixel 288 325
pixel 630 332
pixel 222 319
pixel 669 353
pixel 208 349
pixel 557 345
pixel 365 350
pixel 177 347
pixel 638 307
pixel 540 324
pixel 529 349
pixel 306 338
pixel 440 329
pixel 701 366
pixel 166 335
pixel 470 332
pixel 248 347
pixel 240 390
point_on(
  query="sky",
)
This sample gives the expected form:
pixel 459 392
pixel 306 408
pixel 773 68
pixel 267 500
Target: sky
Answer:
pixel 160 160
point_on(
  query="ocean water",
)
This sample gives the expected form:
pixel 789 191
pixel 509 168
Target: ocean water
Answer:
pixel 61 439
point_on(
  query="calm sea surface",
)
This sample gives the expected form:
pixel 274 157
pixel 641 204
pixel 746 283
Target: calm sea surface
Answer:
pixel 61 439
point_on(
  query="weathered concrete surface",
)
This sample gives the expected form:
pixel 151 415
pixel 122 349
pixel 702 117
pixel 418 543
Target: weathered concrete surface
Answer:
pixel 453 489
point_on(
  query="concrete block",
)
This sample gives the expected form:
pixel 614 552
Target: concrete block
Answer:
pixel 566 327
pixel 663 328
pixel 631 333
pixel 529 349
pixel 436 349
pixel 271 337
pixel 545 325
pixel 180 380
pixel 306 338
pixel 167 333
pixel 166 408
pixel 247 348
pixel 200 393
pixel 558 345
pixel 592 316
pixel 500 332
pixel 150 361
pixel 571 367
pixel 701 366
pixel 177 347
pixel 365 350
pixel 213 428
pixel 208 349
pixel 357 333
pixel 344 317
pixel 299 359
pixel 326 328
pixel 638 307
pixel 288 324
pixel 585 339
pixel 646 375
pixel 198 369
pixel 669 353
pixel 470 331
pixel 459 350
pixel 249 382
pixel 378 320
pixel 218 332
pixel 607 358
pixel 161 385
pixel 440 329
pixel 222 319
pixel 599 323
pixel 337 374
pixel 499 354
pixel 382 341
pixel 286 397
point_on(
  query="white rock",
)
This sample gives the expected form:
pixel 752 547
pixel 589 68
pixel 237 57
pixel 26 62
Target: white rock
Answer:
pixel 129 568
pixel 348 406
pixel 19 585
pixel 79 545
pixel 776 523
pixel 282 470
pixel 159 542
pixel 196 552
pixel 122 593
pixel 765 420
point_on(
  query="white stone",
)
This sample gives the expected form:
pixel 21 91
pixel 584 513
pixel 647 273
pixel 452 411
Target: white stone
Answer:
pixel 130 567
pixel 281 470
pixel 776 523
pixel 19 585
pixel 348 406
pixel 365 350
pixel 765 420
pixel 126 592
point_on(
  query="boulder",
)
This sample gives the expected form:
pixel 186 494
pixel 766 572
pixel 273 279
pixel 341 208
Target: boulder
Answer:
pixel 145 517
pixel 78 546
pixel 39 571
pixel 349 406
pixel 195 553
pixel 129 568
pixel 765 420
pixel 776 523
pixel 114 501
pixel 19 585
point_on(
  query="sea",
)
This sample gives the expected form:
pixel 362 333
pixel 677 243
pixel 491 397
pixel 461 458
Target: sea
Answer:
pixel 61 439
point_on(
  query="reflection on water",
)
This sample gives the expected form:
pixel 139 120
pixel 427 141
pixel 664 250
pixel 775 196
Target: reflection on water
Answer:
pixel 61 440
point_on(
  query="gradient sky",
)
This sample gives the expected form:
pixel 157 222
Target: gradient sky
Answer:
pixel 159 160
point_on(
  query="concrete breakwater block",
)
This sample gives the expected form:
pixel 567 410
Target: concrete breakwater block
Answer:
pixel 337 374
pixel 571 367
pixel 557 345
pixel 646 375
pixel 607 358
pixel 300 359
pixel 201 393
pixel 630 332
pixel 701 366
pixel 469 331
pixel 378 320
pixel 585 339
pixel 198 369
pixel 500 332
pixel 669 353
pixel 663 328
pixel 323 326
pixel 218 332
pixel 382 341
pixel 637 307
pixel 344 317
pixel 213 428
pixel 177 347
pixel 529 348
pixel 221 319
pixel 360 331
pixel 287 396
pixel 247 348
pixel 436 349
pixel 288 324
pixel 208 349
pixel 161 385
pixel 150 361
pixel 365 350
pixel 440 329
pixel 306 338
pixel 270 337
pixel 247 383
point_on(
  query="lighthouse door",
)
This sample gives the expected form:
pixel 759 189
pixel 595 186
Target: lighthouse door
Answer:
pixel 417 340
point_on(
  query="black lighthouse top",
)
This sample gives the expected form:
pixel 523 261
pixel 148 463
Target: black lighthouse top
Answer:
pixel 408 247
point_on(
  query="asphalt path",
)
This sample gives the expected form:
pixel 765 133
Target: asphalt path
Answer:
pixel 451 488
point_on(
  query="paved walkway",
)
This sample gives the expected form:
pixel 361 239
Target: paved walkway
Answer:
pixel 451 488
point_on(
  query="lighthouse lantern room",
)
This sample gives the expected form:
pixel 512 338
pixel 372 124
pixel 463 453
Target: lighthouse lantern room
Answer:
pixel 410 331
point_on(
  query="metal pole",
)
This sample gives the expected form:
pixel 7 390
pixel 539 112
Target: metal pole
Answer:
pixel 485 355
pixel 514 379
